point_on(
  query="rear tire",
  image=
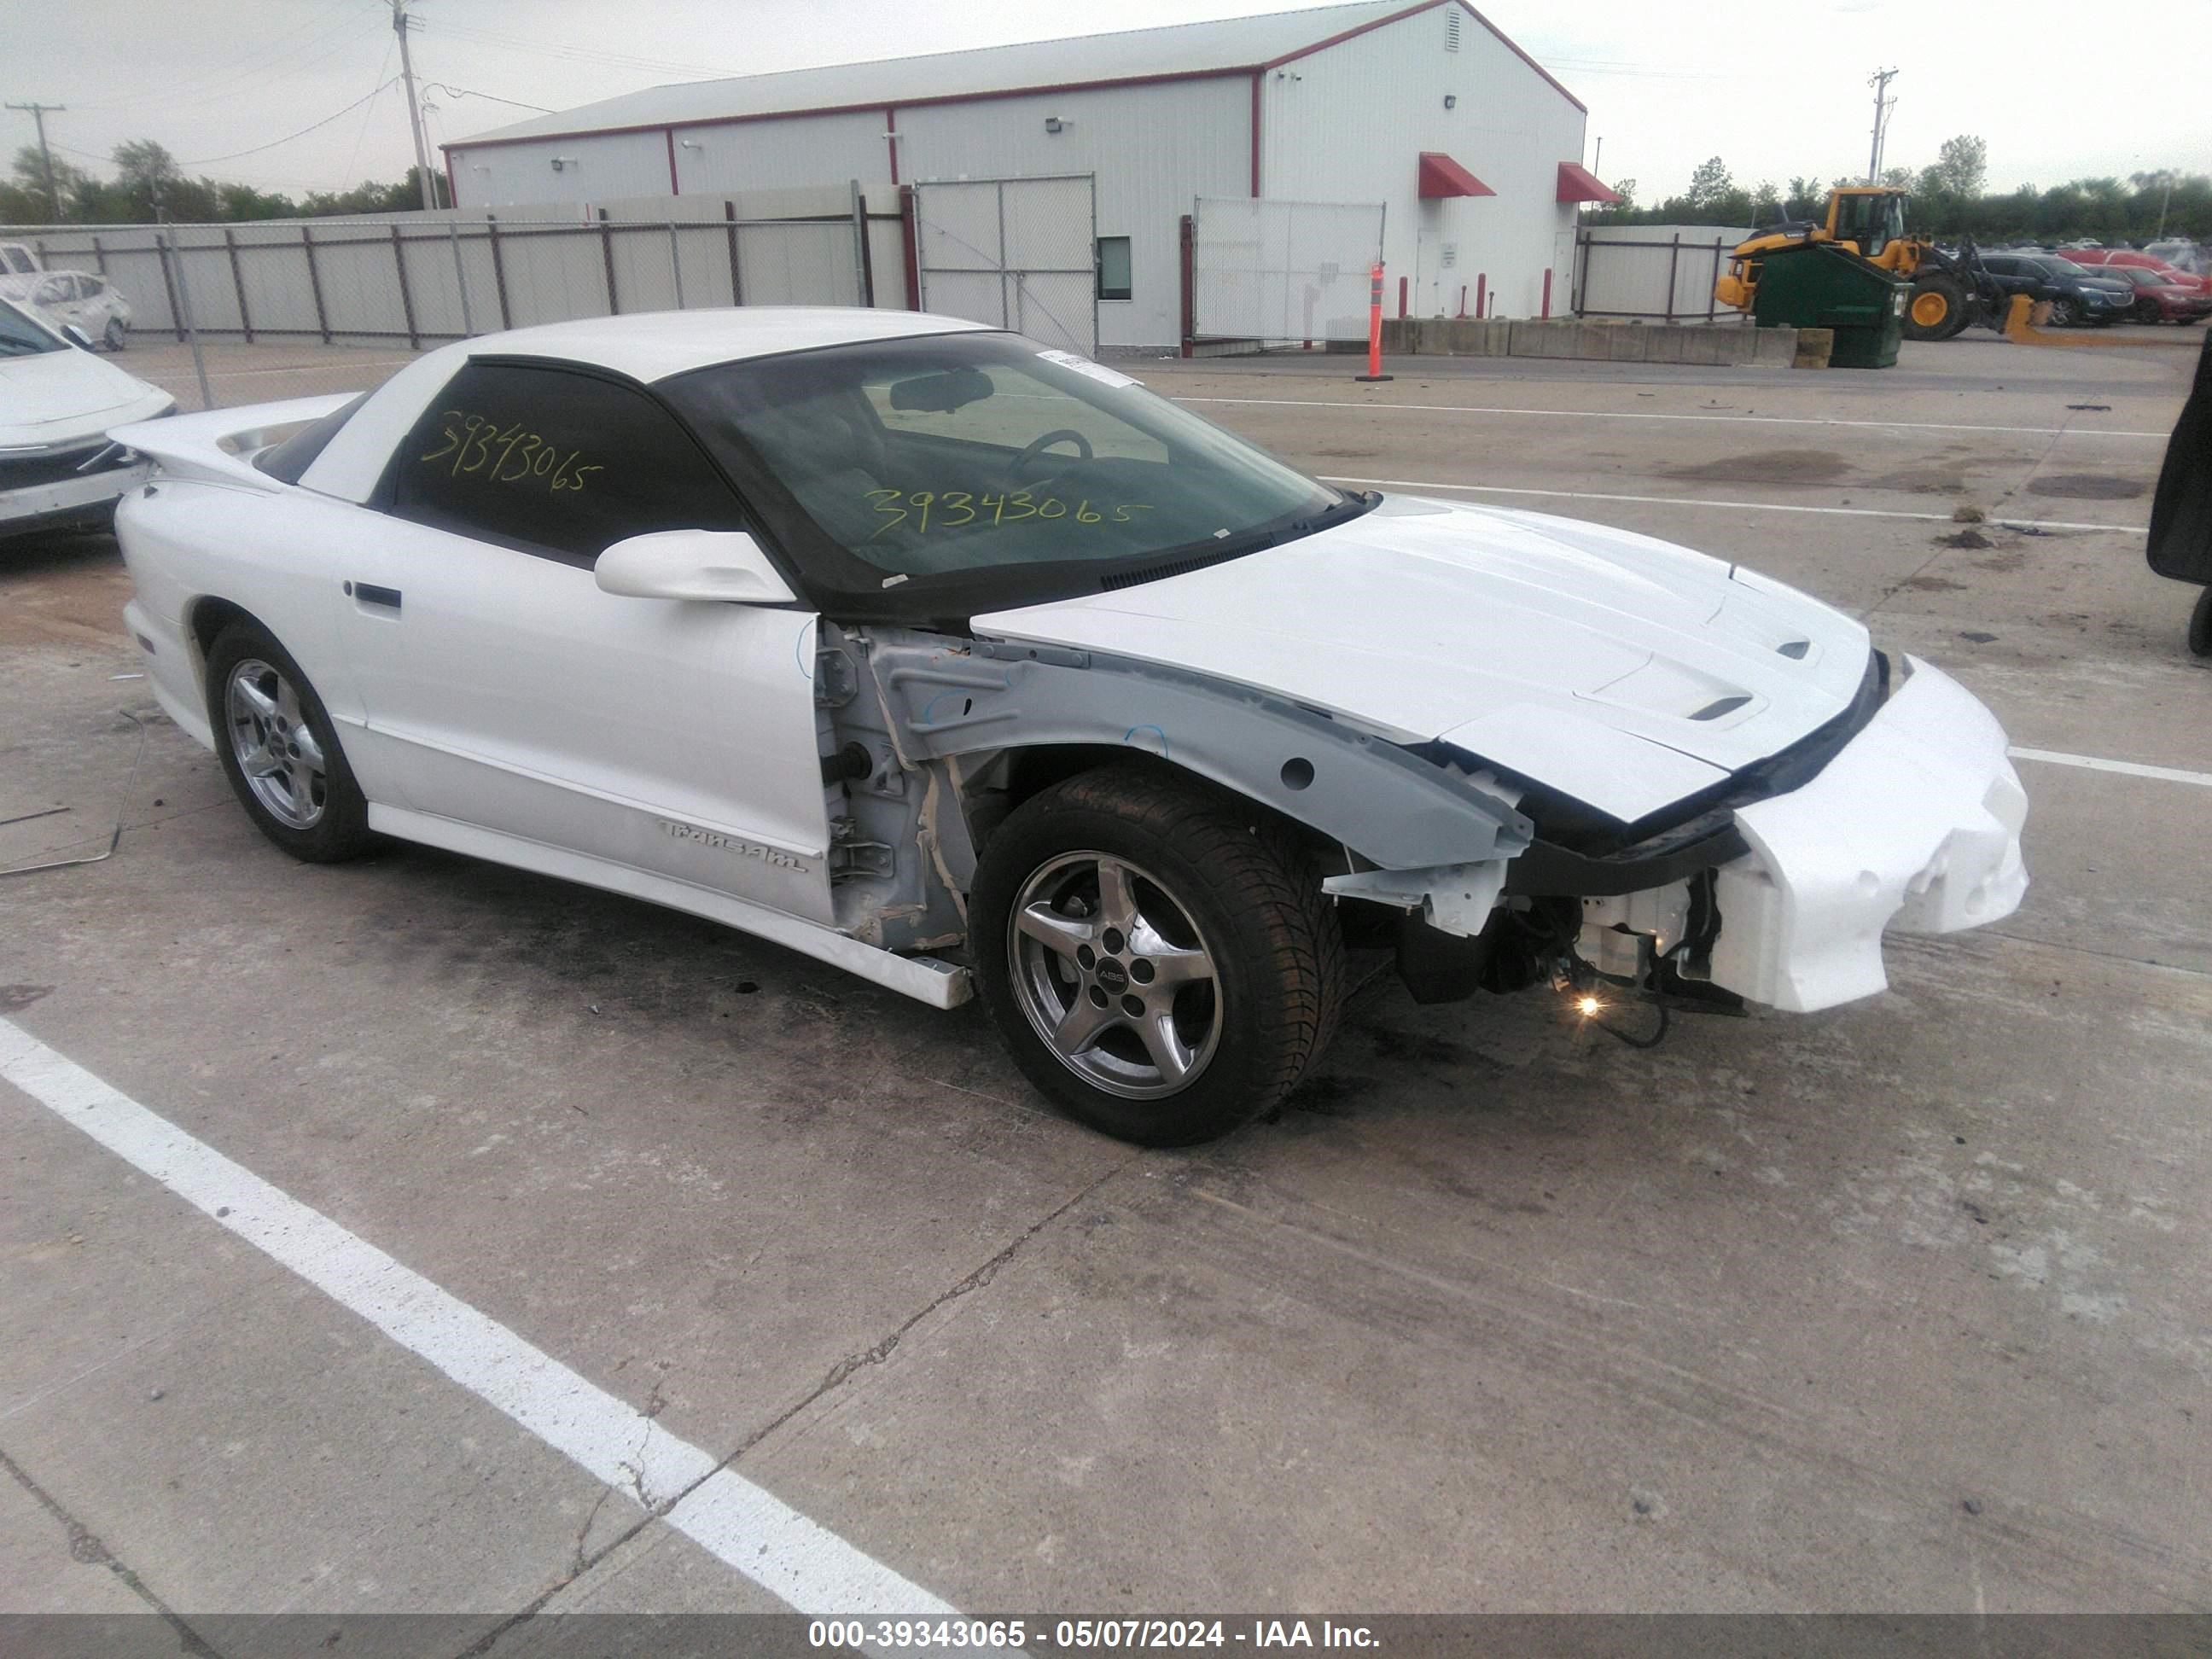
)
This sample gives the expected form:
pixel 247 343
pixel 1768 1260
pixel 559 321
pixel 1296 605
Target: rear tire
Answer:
pixel 280 751
pixel 2200 625
pixel 1158 959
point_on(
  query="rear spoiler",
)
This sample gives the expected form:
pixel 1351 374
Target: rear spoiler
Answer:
pixel 216 447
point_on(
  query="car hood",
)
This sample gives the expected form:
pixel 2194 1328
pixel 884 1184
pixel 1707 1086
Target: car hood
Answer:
pixel 1621 669
pixel 57 399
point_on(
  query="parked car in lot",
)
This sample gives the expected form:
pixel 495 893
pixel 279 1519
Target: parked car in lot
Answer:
pixel 2074 295
pixel 2191 259
pixel 958 661
pixel 57 466
pixel 2106 262
pixel 78 298
pixel 2159 298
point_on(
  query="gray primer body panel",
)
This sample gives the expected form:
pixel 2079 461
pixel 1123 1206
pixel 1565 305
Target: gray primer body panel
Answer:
pixel 950 698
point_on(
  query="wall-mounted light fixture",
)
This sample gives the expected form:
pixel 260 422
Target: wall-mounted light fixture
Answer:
pixel 690 143
pixel 1054 124
pixel 562 162
pixel 1452 100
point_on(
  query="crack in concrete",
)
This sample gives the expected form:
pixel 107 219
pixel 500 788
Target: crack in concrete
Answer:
pixel 837 1375
pixel 86 1547
pixel 852 1365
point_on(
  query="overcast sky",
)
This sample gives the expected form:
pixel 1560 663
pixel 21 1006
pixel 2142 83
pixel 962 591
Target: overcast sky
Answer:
pixel 2059 91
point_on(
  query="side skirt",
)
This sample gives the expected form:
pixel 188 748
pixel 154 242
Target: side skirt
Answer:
pixel 925 979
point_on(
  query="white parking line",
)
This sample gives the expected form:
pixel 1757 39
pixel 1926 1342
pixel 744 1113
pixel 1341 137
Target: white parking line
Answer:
pixel 2133 769
pixel 792 1557
pixel 1748 506
pixel 1655 415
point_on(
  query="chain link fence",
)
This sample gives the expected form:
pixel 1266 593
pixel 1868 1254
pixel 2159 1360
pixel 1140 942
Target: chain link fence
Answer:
pixel 234 313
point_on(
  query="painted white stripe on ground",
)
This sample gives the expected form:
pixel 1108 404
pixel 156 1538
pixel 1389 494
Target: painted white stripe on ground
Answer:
pixel 792 1557
pixel 2133 769
pixel 1655 415
pixel 1747 507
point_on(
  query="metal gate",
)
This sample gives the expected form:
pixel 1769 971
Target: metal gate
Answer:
pixel 1016 253
pixel 1280 271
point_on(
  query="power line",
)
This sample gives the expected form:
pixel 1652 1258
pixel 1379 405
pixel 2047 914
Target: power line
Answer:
pixel 204 159
pixel 471 92
pixel 245 74
pixel 587 55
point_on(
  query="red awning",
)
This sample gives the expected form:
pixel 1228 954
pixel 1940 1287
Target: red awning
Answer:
pixel 1442 176
pixel 1579 183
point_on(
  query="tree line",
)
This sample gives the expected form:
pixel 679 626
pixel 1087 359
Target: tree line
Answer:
pixel 150 186
pixel 1949 200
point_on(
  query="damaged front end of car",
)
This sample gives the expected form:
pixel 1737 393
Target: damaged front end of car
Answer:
pixel 1773 888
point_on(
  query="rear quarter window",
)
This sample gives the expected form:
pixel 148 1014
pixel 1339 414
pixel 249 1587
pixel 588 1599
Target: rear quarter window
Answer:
pixel 551 460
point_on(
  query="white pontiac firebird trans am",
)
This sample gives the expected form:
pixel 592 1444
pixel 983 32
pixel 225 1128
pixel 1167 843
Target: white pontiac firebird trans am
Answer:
pixel 966 664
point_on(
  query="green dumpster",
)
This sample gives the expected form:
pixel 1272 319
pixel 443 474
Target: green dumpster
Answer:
pixel 1820 285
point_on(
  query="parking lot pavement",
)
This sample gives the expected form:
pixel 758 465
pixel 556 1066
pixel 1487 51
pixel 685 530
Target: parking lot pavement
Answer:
pixel 1899 1306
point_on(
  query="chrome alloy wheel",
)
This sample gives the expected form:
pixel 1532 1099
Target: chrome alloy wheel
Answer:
pixel 1112 970
pixel 281 761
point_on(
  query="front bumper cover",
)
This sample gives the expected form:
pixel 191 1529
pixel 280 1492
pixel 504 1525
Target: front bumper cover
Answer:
pixel 1914 824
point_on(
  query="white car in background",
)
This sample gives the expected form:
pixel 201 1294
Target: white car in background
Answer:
pixel 961 662
pixel 57 464
pixel 78 299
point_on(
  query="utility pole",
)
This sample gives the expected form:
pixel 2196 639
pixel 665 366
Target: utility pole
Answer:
pixel 38 114
pixel 399 26
pixel 1883 104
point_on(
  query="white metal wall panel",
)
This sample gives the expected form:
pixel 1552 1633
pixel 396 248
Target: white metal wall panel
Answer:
pixel 795 150
pixel 1154 148
pixel 1348 123
pixel 594 167
pixel 1275 271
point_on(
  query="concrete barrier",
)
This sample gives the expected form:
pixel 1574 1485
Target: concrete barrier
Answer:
pixel 1579 338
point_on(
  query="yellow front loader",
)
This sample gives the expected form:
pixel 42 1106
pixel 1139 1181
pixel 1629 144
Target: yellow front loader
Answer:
pixel 1949 292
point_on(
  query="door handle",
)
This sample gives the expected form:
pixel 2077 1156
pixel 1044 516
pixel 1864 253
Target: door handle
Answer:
pixel 370 593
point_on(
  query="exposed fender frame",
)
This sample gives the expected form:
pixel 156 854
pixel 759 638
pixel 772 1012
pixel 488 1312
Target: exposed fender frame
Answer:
pixel 946 698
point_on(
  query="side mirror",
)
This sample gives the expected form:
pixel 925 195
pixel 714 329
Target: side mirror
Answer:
pixel 692 564
pixel 77 337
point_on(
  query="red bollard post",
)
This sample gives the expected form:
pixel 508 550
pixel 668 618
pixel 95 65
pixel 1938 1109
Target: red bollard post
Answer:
pixel 1374 326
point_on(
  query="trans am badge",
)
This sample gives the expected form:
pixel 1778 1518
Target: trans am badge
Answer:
pixel 750 849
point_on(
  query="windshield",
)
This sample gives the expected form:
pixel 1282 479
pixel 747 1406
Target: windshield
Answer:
pixel 2063 268
pixel 953 458
pixel 21 337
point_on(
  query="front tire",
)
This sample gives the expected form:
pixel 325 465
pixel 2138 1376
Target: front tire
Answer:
pixel 2200 625
pixel 1932 313
pixel 114 334
pixel 2064 313
pixel 1159 961
pixel 2146 310
pixel 279 749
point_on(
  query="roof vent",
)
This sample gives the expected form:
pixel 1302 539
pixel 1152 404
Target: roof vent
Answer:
pixel 1451 29
pixel 1714 710
pixel 1796 648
